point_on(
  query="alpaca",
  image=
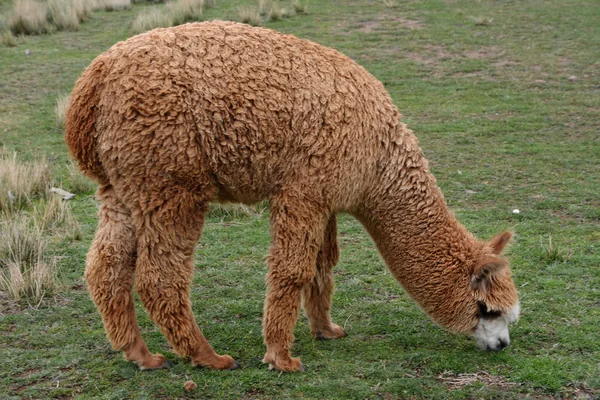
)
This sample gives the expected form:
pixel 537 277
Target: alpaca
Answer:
pixel 173 119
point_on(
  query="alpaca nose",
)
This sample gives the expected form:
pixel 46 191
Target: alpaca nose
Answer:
pixel 501 344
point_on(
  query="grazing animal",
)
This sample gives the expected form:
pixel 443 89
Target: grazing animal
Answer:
pixel 173 119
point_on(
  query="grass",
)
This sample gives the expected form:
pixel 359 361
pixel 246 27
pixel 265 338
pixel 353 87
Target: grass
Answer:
pixel 75 182
pixel 249 15
pixel 54 215
pixel 390 3
pixel 186 11
pixel 156 17
pixel 112 5
pixel 29 214
pixel 26 270
pixel 62 101
pixel 36 17
pixel 552 253
pixel 503 128
pixel 21 183
pixel 6 37
pixel 29 17
pixel 232 211
pixel 64 14
pixel 174 13
pixel 299 6
pixel 271 9
pixel 83 9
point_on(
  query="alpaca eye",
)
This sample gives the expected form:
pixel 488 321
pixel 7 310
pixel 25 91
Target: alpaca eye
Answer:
pixel 485 313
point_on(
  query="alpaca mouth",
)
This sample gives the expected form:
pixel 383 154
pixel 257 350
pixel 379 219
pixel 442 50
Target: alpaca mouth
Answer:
pixel 492 331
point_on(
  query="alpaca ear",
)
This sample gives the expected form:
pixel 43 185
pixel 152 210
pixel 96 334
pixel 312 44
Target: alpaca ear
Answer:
pixel 486 270
pixel 500 241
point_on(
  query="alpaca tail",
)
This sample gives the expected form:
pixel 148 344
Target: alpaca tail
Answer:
pixel 80 121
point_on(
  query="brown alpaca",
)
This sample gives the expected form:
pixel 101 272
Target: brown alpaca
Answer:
pixel 171 120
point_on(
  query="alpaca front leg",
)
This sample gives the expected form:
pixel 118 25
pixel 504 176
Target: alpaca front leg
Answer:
pixel 316 296
pixel 297 234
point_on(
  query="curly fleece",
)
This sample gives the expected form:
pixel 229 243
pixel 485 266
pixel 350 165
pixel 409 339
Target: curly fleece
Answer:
pixel 173 119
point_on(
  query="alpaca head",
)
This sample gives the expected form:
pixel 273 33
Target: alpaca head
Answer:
pixel 495 295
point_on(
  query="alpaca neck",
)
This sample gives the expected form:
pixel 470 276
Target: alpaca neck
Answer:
pixel 422 243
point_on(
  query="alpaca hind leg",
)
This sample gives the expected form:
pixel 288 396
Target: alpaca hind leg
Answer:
pixel 297 230
pixel 167 235
pixel 316 295
pixel 109 274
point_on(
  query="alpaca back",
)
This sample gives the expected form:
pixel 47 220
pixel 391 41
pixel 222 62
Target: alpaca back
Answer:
pixel 262 109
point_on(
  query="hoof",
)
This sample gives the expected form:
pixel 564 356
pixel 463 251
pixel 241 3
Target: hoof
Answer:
pixel 335 332
pixel 222 362
pixel 285 365
pixel 235 365
pixel 156 361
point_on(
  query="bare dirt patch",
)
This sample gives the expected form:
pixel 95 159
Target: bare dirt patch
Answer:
pixel 369 26
pixel 431 55
pixel 456 381
pixel 27 373
pixel 564 61
pixel 503 63
pixel 254 393
pixel 582 391
pixel 483 53
pixel 408 23
pixel 7 305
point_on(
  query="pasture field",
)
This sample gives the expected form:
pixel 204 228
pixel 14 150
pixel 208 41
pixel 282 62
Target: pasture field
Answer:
pixel 504 97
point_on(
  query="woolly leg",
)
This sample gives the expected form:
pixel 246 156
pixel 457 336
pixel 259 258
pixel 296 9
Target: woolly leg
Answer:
pixel 166 239
pixel 316 296
pixel 109 274
pixel 297 234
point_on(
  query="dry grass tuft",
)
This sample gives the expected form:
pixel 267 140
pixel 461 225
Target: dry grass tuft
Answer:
pixel 227 211
pixel 458 381
pixel 29 17
pixel 287 12
pixel 299 7
pixel 249 15
pixel 29 214
pixel 150 19
pixel 264 7
pixel 25 270
pixel 276 12
pixel 186 11
pixel 54 215
pixel 21 182
pixel 76 182
pixel 62 101
pixel 63 14
pixel 7 39
pixel 554 253
pixel 83 8
pixel 112 5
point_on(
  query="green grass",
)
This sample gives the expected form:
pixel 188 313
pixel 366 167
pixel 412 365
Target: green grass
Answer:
pixel 503 127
